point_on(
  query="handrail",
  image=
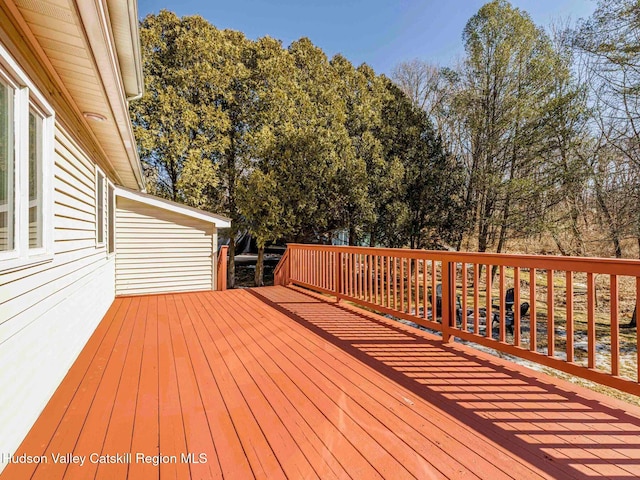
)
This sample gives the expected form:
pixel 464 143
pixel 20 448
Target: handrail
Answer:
pixel 282 272
pixel 221 272
pixel 564 326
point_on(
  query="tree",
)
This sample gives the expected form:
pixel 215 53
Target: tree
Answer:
pixel 312 148
pixel 507 85
pixel 430 184
pixel 176 127
pixel 259 204
pixel 260 195
pixel 609 44
pixel 430 88
pixel 192 122
pixel 368 178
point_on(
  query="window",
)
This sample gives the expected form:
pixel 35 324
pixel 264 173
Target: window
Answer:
pixel 99 207
pixel 26 158
pixel 7 177
pixel 111 205
pixel 35 180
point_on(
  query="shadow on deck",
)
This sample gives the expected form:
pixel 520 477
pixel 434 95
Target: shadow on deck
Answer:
pixel 276 382
pixel 565 430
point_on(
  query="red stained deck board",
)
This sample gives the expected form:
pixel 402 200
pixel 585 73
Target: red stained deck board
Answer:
pixel 119 434
pixel 247 436
pixel 232 462
pixel 330 452
pixel 94 429
pixel 398 411
pixel 291 417
pixel 146 424
pixel 349 398
pixel 265 412
pixel 76 387
pixel 171 425
pixel 197 434
pixel 276 382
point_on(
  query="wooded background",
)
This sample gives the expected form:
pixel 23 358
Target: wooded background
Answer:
pixel 530 143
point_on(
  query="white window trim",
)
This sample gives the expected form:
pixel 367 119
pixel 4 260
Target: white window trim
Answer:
pixel 27 97
pixel 7 256
pixel 99 172
pixel 48 139
pixel 111 209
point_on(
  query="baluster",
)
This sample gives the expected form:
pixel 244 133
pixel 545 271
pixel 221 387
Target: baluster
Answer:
pixel 551 330
pixel 489 318
pixel 434 312
pixel 409 285
pixel 615 328
pixel 401 284
pixel 417 292
pixel 533 333
pixel 569 327
pixel 637 330
pixel 516 307
pixel 591 321
pixel 464 297
pixel 503 306
pixel 476 298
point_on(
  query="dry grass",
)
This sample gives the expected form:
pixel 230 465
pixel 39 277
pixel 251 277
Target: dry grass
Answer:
pixel 627 336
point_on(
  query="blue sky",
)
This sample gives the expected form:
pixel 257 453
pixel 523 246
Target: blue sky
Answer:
pixel 381 33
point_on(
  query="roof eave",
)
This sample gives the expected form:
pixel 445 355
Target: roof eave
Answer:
pixel 124 21
pixel 99 28
pixel 218 220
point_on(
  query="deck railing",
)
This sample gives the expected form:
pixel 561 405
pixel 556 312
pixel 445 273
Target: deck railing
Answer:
pixel 281 274
pixel 576 306
pixel 221 271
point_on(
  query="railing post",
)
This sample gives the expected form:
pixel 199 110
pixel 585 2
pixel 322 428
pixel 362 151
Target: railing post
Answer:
pixel 221 272
pixel 338 277
pixel 448 300
pixel 289 266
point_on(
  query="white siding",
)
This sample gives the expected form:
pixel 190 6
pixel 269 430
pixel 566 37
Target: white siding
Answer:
pixel 48 311
pixel 159 251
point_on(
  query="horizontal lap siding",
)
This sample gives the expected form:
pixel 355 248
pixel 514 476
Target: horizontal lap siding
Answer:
pixel 48 311
pixel 159 251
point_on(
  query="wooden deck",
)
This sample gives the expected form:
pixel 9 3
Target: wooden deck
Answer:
pixel 276 383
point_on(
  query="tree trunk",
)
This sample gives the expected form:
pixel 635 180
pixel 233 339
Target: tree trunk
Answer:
pixel 613 230
pixel 231 204
pixel 638 235
pixel 483 236
pixel 562 250
pixel 259 275
pixel 575 212
pixel 231 265
pixel 352 235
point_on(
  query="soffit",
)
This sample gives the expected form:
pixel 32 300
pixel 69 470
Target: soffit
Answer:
pixel 63 36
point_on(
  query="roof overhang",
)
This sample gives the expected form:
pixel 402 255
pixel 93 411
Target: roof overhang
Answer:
pixel 108 27
pixel 124 23
pixel 218 220
pixel 94 49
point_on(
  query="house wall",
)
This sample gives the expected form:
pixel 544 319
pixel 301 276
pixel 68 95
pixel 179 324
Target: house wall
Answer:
pixel 48 311
pixel 160 251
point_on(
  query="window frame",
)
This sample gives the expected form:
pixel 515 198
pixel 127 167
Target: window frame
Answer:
pixel 101 217
pixel 14 253
pixel 27 98
pixel 111 218
pixel 43 175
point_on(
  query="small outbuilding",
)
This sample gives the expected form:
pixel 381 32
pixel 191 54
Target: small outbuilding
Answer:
pixel 162 246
